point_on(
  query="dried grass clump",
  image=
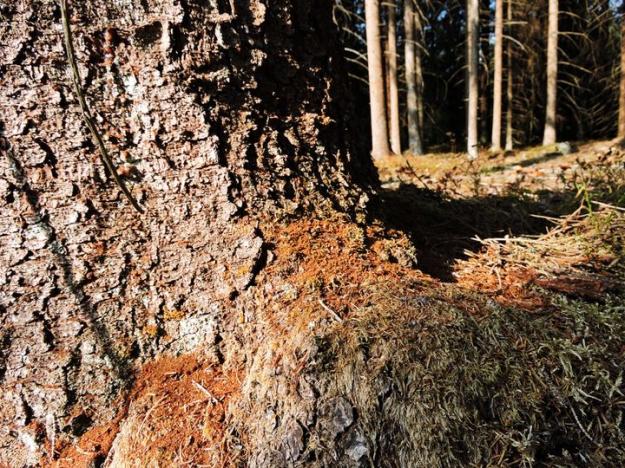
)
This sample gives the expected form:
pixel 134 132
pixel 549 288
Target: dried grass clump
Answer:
pixel 583 255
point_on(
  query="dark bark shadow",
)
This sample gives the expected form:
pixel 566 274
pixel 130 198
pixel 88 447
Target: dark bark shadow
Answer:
pixel 58 249
pixel 443 229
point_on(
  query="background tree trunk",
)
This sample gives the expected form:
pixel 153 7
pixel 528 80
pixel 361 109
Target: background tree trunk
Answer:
pixel 414 140
pixel 510 82
pixel 498 78
pixel 621 110
pixel 419 81
pixel 473 14
pixel 552 75
pixel 217 116
pixel 379 127
pixel 393 96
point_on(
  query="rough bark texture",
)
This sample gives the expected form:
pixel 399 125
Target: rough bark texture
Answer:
pixel 473 15
pixel 549 137
pixel 375 64
pixel 414 140
pixel 217 114
pixel 393 92
pixel 498 78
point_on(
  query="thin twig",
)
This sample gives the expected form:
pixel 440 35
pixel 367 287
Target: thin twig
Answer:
pixel 86 113
pixel 414 173
pixel 606 205
pixel 330 311
pixel 206 392
pixel 584 431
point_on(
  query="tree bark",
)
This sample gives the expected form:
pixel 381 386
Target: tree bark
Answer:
pixel 414 140
pixel 550 137
pixel 218 116
pixel 498 78
pixel 621 111
pixel 393 96
pixel 509 85
pixel 379 128
pixel 473 14
pixel 419 80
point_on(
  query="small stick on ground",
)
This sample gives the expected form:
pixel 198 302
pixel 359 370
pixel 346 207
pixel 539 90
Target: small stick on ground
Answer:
pixel 334 315
pixel 205 391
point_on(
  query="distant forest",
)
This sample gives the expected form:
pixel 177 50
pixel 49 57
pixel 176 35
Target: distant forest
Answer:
pixel 588 75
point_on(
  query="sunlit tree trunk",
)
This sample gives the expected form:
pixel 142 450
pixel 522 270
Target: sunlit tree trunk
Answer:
pixel 549 137
pixel 379 129
pixel 498 78
pixel 393 91
pixel 419 81
pixel 472 77
pixel 510 83
pixel 414 140
pixel 621 113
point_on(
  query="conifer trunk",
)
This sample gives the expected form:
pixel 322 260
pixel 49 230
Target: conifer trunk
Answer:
pixel 621 113
pixel 498 78
pixel 414 140
pixel 419 80
pixel 377 99
pixel 219 116
pixel 472 77
pixel 550 137
pixel 393 91
pixel 509 85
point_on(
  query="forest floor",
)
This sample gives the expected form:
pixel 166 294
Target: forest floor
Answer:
pixel 477 319
pixel 450 206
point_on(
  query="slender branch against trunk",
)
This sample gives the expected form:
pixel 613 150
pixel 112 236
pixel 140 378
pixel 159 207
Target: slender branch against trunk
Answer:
pixel 510 94
pixel 95 134
pixel 549 137
pixel 393 91
pixel 472 77
pixel 621 110
pixel 379 129
pixel 414 141
pixel 498 78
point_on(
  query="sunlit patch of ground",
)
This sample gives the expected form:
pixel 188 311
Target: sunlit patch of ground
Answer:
pixel 535 168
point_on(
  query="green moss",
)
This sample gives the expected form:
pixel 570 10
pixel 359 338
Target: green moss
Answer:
pixel 435 387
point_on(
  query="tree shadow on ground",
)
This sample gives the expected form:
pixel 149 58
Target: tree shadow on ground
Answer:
pixel 546 157
pixel 442 229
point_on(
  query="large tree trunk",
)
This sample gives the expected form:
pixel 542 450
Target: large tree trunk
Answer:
pixel 393 91
pixel 509 85
pixel 621 109
pixel 414 139
pixel 549 137
pixel 219 116
pixel 379 128
pixel 473 16
pixel 498 78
